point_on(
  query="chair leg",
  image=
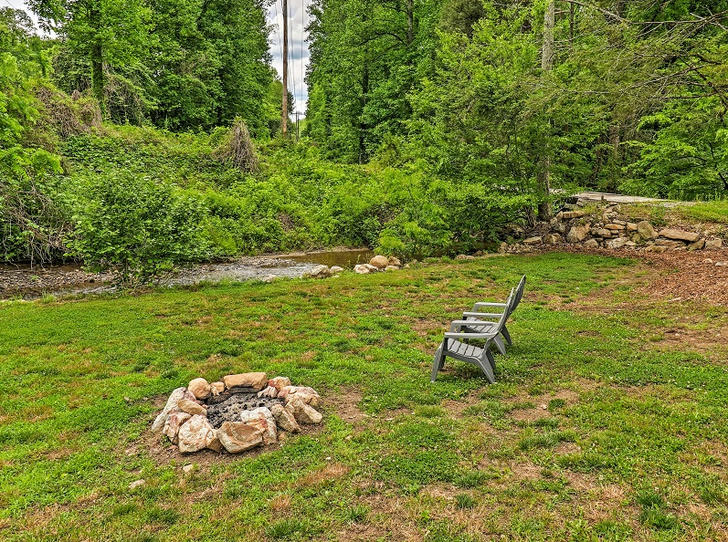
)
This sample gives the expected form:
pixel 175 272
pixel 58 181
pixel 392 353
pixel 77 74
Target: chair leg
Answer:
pixel 499 345
pixel 487 369
pixel 437 362
pixel 507 336
pixel 491 359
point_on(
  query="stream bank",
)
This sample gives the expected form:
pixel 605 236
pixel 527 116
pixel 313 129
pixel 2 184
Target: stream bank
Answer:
pixel 24 281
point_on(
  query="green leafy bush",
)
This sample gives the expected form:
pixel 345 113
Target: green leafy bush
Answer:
pixel 136 227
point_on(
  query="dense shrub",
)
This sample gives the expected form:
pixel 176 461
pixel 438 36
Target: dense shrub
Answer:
pixel 135 226
pixel 141 200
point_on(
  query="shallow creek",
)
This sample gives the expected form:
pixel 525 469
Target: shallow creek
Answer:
pixel 24 281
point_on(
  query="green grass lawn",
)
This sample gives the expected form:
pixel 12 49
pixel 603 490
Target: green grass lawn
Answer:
pixel 599 428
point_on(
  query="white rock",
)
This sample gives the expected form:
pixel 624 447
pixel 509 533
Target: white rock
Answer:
pixel 364 268
pixel 285 419
pixel 619 242
pixel 217 388
pixel 200 388
pixel 270 391
pixel 257 381
pixel 336 269
pixel 305 393
pixel 279 382
pixel 319 272
pixel 379 261
pixel 174 421
pixel 303 413
pixel 191 407
pixel 237 437
pixel 263 419
pixel 137 483
pixel 195 434
pixel 174 398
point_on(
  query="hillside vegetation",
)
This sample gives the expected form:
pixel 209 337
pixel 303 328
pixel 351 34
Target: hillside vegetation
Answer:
pixel 432 127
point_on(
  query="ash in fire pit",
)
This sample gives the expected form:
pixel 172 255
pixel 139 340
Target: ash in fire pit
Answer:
pixel 239 413
pixel 228 410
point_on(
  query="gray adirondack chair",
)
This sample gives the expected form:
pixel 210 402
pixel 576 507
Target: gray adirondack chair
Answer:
pixel 483 321
pixel 457 345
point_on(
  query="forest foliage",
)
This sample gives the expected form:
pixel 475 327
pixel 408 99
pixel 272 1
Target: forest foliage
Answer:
pixel 146 133
pixel 636 99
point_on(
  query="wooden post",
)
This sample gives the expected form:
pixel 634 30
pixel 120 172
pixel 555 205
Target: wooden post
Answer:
pixel 284 105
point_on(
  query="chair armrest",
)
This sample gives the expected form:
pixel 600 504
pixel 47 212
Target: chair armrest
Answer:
pixel 468 335
pixel 483 314
pixel 483 304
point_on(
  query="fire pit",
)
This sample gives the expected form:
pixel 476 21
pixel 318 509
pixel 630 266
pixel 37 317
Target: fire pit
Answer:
pixel 236 414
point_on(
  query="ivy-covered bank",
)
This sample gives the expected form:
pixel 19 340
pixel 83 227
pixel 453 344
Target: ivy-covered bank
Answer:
pixel 129 196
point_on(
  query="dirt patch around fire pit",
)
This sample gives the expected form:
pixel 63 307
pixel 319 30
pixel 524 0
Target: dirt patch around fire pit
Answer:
pixel 159 449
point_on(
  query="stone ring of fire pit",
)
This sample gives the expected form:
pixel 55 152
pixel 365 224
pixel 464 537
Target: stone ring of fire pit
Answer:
pixel 239 413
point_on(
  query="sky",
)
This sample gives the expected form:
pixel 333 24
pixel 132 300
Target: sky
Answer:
pixel 298 50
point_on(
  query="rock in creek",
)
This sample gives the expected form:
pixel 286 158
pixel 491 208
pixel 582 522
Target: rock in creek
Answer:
pixel 379 261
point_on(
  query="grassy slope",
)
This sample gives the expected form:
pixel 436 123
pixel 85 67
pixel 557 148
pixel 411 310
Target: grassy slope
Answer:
pixel 589 431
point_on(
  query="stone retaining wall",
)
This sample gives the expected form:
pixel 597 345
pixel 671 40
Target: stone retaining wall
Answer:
pixel 608 226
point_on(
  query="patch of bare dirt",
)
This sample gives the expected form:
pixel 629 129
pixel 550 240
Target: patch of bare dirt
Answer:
pixel 529 415
pixel 596 499
pixel 330 472
pixel 683 275
pixel 457 407
pixel 526 471
pixel 347 405
pixel 389 517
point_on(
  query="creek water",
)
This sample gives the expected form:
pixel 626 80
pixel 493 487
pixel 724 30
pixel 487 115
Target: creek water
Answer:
pixel 24 281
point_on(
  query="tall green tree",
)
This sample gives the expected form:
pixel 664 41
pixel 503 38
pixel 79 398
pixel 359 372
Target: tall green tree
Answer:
pixel 109 34
pixel 366 56
pixel 210 63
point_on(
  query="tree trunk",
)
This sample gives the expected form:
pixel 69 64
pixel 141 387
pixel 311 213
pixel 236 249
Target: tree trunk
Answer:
pixel 547 64
pixel 364 93
pixel 410 22
pixel 97 62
